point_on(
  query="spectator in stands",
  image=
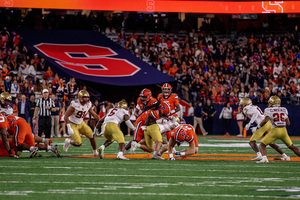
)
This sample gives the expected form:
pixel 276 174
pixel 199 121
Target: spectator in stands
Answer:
pixel 37 89
pixel 62 129
pixel 55 117
pixel 209 111
pixel 7 84
pixel 42 65
pixel 24 108
pixel 48 75
pixel 198 118
pixel 15 89
pixel 59 89
pixel 72 89
pixel 226 115
pixel 32 108
pixel 15 107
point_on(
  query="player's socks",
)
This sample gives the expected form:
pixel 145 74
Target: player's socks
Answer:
pixel 258 154
pixel 102 147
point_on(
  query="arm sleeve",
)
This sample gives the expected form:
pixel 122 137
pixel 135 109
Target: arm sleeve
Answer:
pixel 221 114
pixel 253 118
pixel 129 124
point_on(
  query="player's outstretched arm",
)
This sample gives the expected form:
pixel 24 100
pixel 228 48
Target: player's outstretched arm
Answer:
pixel 266 119
pixel 92 112
pixel 3 132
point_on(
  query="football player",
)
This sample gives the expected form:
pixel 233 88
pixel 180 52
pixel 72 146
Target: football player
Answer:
pixel 5 101
pixel 144 102
pixel 111 131
pixel 24 140
pixel 75 124
pixel 256 115
pixel 183 133
pixel 279 119
pixel 169 97
pixel 167 125
pixel 152 131
pixel 4 134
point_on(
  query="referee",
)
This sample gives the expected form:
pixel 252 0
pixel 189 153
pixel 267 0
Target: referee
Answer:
pixel 43 109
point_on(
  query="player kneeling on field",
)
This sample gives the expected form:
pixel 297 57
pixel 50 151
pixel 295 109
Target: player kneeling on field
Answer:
pixel 183 133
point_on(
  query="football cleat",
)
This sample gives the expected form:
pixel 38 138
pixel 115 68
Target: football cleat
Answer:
pixel 96 153
pixel 54 149
pixel 33 152
pixel 121 157
pixel 101 153
pixel 286 158
pixel 67 144
pixel 133 147
pixel 157 158
pixel 258 158
pixel 263 160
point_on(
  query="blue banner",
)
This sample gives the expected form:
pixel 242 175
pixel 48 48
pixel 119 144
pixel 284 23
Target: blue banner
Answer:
pixel 91 56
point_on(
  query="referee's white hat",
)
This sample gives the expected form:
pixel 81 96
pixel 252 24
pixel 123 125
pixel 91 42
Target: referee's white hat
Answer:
pixel 45 91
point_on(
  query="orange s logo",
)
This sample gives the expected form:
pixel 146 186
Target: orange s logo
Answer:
pixel 150 5
pixel 272 6
pixel 8 3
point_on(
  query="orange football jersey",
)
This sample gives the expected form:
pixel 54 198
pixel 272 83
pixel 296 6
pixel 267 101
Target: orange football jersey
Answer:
pixel 3 122
pixel 145 107
pixel 172 99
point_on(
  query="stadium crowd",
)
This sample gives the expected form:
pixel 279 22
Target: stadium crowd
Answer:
pixel 205 65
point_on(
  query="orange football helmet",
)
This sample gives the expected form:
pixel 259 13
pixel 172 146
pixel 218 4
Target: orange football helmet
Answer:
pixel 180 135
pixel 145 95
pixel 165 108
pixel 166 89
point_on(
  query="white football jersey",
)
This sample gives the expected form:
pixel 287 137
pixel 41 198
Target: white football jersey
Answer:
pixel 7 111
pixel 277 115
pixel 166 125
pixel 251 110
pixel 115 115
pixel 80 111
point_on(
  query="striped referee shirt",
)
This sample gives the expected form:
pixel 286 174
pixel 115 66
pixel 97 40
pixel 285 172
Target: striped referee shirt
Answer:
pixel 42 103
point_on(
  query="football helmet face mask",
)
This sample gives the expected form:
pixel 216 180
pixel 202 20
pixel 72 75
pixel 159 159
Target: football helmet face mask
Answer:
pixel 245 102
pixel 122 104
pixel 145 95
pixel 166 89
pixel 83 96
pixel 274 101
pixel 5 99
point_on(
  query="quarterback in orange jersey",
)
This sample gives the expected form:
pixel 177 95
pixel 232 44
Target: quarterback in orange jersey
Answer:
pixel 4 134
pixel 183 133
pixel 144 102
pixel 23 138
pixel 170 98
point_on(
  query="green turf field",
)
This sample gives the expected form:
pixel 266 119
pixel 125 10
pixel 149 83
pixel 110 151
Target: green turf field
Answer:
pixel 48 177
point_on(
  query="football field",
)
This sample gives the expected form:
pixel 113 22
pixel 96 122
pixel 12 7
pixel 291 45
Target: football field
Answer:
pixel 222 169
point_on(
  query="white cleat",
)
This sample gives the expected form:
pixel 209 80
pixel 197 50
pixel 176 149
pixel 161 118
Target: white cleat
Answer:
pixel 96 153
pixel 133 147
pixel 258 158
pixel 157 158
pixel 286 158
pixel 55 150
pixel 67 144
pixel 263 160
pixel 122 157
pixel 101 153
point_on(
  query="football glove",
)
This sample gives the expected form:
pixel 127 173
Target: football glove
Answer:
pixel 247 127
